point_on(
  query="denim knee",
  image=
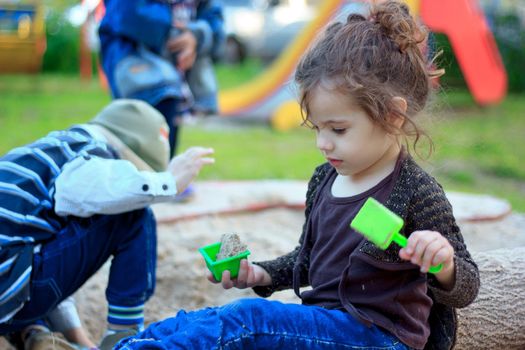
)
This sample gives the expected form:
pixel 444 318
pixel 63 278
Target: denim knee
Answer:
pixel 133 268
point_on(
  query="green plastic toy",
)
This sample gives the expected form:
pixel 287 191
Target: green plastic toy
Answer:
pixel 231 264
pixel 381 226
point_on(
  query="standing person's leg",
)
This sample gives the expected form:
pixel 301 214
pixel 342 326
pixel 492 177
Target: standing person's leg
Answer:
pixel 168 108
pixel 63 265
pixel 262 324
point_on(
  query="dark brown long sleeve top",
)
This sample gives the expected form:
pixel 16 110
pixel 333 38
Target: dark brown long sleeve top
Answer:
pixel 421 202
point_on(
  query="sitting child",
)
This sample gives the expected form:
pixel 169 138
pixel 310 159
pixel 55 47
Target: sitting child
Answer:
pixel 362 83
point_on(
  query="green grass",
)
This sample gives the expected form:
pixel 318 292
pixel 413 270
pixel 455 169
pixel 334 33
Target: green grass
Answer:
pixel 31 106
pixel 256 152
pixel 478 150
pixel 481 149
pixel 232 75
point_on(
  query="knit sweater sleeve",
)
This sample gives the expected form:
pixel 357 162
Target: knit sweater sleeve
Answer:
pixel 430 210
pixel 281 269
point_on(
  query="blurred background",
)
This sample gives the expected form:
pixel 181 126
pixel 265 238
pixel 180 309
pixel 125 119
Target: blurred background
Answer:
pixel 49 79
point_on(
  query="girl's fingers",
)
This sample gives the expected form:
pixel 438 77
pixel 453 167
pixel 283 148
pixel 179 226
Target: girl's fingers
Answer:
pixel 445 255
pixel 429 254
pixel 421 242
pixel 251 276
pixel 243 274
pixel 210 277
pixel 441 256
pixel 427 248
pixel 227 283
pixel 411 244
pixel 403 254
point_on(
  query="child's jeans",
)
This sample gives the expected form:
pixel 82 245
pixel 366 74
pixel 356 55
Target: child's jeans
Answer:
pixel 262 324
pixel 168 108
pixel 65 263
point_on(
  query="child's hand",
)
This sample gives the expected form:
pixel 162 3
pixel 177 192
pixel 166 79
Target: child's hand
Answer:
pixel 430 248
pixel 185 45
pixel 250 275
pixel 186 166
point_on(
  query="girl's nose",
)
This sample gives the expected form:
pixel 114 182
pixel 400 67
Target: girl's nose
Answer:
pixel 324 143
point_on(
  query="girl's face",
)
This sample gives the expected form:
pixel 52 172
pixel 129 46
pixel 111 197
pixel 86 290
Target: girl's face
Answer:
pixel 352 143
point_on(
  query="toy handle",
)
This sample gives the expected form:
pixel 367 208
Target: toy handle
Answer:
pixel 435 268
pixel 402 241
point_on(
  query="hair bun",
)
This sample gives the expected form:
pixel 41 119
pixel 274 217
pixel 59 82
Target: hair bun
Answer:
pixel 355 17
pixel 395 20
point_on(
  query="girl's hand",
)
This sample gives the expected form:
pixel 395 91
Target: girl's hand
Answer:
pixel 250 275
pixel 430 248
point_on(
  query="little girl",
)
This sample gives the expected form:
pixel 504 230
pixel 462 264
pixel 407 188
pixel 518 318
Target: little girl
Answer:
pixel 362 83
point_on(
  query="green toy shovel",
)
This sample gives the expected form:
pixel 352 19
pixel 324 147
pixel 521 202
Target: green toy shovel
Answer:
pixel 381 226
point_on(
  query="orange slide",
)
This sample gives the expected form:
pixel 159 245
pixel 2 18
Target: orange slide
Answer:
pixel 271 94
pixel 474 46
pixel 239 98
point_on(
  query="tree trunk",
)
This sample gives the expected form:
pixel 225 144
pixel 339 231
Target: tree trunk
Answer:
pixel 496 319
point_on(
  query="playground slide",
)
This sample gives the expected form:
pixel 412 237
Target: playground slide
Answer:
pixel 474 46
pixel 269 84
pixel 271 95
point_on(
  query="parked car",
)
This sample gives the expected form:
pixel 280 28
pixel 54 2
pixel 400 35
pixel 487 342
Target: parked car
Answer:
pixel 263 28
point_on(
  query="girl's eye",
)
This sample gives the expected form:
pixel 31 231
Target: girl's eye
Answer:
pixel 339 131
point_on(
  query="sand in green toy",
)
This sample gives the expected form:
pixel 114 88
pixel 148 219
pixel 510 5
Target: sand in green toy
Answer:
pixel 231 245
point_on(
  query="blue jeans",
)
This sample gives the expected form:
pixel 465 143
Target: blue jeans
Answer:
pixel 79 250
pixel 168 108
pixel 262 324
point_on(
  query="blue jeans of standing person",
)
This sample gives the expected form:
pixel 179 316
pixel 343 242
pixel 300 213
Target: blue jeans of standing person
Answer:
pixel 262 324
pixel 64 264
pixel 168 108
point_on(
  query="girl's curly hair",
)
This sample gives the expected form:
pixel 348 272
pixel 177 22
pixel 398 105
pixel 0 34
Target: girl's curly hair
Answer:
pixel 373 59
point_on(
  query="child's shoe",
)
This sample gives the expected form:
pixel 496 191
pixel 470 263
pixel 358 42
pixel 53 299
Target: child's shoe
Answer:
pixel 45 340
pixel 112 338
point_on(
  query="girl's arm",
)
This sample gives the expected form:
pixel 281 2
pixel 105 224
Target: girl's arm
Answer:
pixel 281 273
pixel 430 210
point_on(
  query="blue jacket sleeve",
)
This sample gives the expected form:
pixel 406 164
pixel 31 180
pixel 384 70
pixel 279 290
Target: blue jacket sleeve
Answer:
pixel 142 21
pixel 208 28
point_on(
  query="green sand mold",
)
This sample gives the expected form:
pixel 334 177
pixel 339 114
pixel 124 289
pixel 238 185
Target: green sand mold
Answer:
pixel 231 264
pixel 381 226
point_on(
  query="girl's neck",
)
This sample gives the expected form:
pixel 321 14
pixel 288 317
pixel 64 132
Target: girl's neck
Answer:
pixel 351 185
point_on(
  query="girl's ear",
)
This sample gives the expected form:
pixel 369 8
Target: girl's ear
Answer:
pixel 401 105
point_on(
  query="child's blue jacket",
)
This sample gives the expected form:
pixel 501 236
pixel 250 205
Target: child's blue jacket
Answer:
pixel 130 23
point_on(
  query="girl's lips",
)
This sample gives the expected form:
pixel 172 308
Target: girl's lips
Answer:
pixel 335 162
